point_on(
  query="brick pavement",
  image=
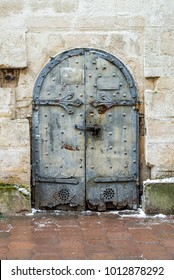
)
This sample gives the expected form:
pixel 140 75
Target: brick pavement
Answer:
pixel 86 236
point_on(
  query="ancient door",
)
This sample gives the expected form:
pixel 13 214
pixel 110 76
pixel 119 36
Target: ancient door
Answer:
pixel 85 133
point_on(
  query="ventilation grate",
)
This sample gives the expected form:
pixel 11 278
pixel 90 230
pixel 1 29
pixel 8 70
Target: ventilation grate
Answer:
pixel 64 195
pixel 108 194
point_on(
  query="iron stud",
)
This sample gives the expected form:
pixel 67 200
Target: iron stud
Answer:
pixel 113 74
pixel 92 167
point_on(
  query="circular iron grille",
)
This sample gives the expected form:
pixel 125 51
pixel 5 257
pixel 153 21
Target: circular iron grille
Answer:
pixel 64 195
pixel 108 194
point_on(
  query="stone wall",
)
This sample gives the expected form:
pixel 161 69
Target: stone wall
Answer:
pixel 139 33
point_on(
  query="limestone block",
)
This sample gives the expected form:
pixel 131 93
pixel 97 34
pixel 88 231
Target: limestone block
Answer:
pixel 13 49
pixel 14 152
pixel 7 103
pixel 14 199
pixel 158 196
pixel 158 104
pixel 159 130
pixel 160 13
pixel 159 156
pixel 158 59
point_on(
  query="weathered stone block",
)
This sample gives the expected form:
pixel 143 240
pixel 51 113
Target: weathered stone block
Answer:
pixel 14 152
pixel 14 199
pixel 158 197
pixel 13 49
pixel 7 103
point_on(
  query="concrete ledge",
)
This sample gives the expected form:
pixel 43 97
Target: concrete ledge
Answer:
pixel 158 196
pixel 14 199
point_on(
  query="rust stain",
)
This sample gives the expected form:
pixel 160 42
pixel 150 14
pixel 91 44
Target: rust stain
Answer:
pixel 71 148
pixel 102 109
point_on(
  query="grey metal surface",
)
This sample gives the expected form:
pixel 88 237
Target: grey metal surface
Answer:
pixel 85 133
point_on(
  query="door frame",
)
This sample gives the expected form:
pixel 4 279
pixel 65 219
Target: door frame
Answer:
pixel 36 91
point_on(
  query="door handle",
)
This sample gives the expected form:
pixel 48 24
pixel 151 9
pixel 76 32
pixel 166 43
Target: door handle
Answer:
pixel 95 129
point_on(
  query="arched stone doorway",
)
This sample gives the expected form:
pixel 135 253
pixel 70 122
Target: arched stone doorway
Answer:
pixel 85 133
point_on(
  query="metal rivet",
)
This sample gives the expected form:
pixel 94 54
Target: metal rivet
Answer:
pixel 120 84
pixel 124 95
pixel 80 133
pixel 110 133
pixel 124 114
pixel 46 127
pixel 92 115
pixel 36 150
pixel 125 140
pixel 134 150
pixel 124 127
pixel 113 74
pixel 90 75
pixel 92 147
pixel 110 114
pixel 80 166
pixel 36 126
pixel 62 115
pixel 54 79
pixel 95 85
pixel 48 93
pixel 92 167
pixel 110 147
pixel 46 166
pixel 62 132
pixel 94 62
pixel 77 85
pixel 131 86
pixel 91 95
pixel 110 167
pixel 134 161
pixel 125 165
pixel 99 76
pixel 114 94
pixel 104 66
pixel 125 153
pixel 81 114
pixel 81 95
pixel 45 115
pixel 77 62
pixel 46 154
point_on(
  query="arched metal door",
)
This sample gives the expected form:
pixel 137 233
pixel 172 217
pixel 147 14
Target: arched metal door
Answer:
pixel 85 133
